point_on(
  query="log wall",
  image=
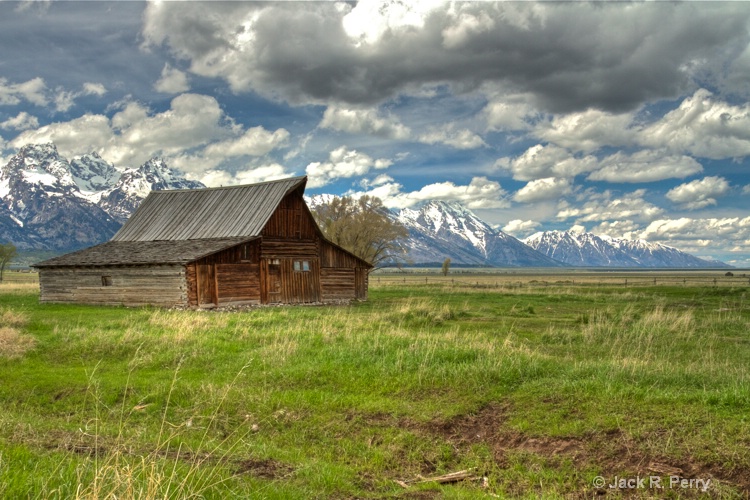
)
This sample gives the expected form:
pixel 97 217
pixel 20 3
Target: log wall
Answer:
pixel 231 276
pixel 292 220
pixel 161 285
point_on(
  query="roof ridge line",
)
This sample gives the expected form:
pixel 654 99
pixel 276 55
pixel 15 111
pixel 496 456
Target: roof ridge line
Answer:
pixel 237 186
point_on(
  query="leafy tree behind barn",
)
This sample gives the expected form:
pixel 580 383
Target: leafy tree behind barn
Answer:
pixel 7 253
pixel 363 227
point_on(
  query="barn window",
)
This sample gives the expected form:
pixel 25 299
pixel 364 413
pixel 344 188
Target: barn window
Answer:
pixel 246 255
pixel 106 280
pixel 302 265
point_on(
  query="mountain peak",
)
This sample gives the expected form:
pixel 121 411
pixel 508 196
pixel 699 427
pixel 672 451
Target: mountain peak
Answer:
pixel 590 250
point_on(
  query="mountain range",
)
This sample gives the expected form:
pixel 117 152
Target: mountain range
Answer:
pixel 50 203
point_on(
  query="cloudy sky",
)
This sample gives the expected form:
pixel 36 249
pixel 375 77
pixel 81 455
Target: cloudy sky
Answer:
pixel 626 119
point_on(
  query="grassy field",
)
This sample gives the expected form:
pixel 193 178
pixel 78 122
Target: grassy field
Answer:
pixel 535 390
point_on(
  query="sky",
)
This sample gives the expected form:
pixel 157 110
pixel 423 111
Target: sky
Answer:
pixel 625 119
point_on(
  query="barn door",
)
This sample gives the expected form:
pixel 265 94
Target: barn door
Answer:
pixel 272 280
pixel 206 277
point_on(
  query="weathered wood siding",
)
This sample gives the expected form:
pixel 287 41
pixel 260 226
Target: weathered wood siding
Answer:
pixel 231 276
pixel 161 285
pixel 337 284
pixel 291 220
pixel 343 276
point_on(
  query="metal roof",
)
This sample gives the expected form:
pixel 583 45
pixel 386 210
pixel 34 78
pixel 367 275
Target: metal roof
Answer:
pixel 114 253
pixel 190 214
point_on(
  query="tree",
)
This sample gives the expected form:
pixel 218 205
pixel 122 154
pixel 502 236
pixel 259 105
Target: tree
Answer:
pixel 7 253
pixel 446 266
pixel 363 227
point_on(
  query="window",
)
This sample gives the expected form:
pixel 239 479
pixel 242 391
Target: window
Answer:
pixel 106 280
pixel 302 265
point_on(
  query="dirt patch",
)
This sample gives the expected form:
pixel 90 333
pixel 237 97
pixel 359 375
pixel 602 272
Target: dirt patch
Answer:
pixel 613 452
pixel 267 468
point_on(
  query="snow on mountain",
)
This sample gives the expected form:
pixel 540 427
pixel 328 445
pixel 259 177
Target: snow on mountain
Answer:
pixel 48 203
pixel 440 230
pixel 134 185
pixel 93 175
pixel 590 250
pixel 41 207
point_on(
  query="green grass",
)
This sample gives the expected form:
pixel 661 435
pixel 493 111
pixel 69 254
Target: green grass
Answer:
pixel 539 390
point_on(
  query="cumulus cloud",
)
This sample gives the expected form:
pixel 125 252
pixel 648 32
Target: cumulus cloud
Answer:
pixel 256 141
pixel 214 178
pixel 703 126
pixel 644 166
pixel 368 52
pixel 91 88
pixel 618 229
pixel 342 163
pixel 687 232
pixel 194 132
pixel 605 206
pixel 588 130
pixel 549 188
pixel 508 113
pixel 521 228
pixel 172 81
pixel 367 121
pixel 699 193
pixel 22 121
pixel 33 91
pixel 448 135
pixel 539 162
pixel 479 193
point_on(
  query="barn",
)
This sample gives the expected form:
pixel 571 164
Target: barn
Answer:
pixel 203 248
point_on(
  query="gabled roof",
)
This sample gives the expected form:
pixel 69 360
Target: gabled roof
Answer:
pixel 117 253
pixel 225 212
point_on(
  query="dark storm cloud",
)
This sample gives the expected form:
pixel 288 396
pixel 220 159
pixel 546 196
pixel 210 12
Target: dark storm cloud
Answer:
pixel 567 56
pixel 69 43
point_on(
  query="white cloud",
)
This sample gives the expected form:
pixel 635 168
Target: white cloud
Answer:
pixel 548 188
pixel 342 163
pixel 479 193
pixel 194 134
pixel 618 229
pixel 699 193
pixel 577 228
pixel 507 113
pixel 256 141
pixel 703 126
pixel 688 233
pixel 22 121
pixel 368 121
pixel 539 162
pixel 369 20
pixel 459 139
pixel 588 130
pixel 172 81
pixel 90 88
pixel 644 166
pixel 521 228
pixel 65 99
pixel 33 91
pixel 605 206
pixel 214 178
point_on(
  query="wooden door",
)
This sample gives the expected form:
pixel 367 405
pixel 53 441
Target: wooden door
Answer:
pixel 206 278
pixel 271 281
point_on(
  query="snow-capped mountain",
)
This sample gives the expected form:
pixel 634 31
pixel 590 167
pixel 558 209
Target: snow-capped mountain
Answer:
pixel 49 203
pixel 93 175
pixel 440 230
pixel 134 185
pixel 590 250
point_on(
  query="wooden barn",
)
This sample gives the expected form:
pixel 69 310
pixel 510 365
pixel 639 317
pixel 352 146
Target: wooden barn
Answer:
pixel 252 244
